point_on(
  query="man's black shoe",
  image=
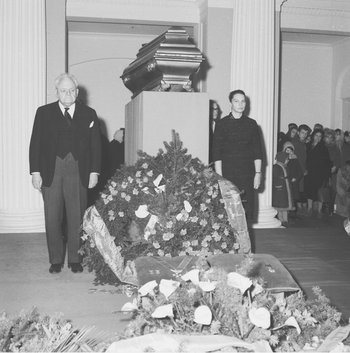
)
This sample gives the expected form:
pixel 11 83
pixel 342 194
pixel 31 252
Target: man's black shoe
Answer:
pixel 75 267
pixel 55 268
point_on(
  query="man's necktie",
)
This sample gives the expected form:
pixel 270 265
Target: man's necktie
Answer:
pixel 67 116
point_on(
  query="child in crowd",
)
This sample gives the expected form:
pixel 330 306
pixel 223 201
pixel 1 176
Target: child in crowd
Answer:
pixel 281 190
pixel 294 171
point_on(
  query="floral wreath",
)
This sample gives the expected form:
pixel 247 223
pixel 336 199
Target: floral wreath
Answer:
pixel 167 205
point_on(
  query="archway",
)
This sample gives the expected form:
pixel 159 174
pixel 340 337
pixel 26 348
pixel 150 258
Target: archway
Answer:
pixel 342 100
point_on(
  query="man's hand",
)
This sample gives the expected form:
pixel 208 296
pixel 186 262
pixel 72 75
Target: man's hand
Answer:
pixel 93 180
pixel 218 167
pixel 37 181
pixel 257 180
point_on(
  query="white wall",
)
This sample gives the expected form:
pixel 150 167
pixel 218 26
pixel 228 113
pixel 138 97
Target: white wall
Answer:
pixel 217 46
pixel 98 61
pixel 306 84
pixel 341 83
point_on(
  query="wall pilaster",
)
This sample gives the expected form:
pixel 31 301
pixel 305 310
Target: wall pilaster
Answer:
pixel 253 70
pixel 22 90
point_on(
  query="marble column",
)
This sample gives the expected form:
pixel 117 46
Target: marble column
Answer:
pixel 253 70
pixel 22 90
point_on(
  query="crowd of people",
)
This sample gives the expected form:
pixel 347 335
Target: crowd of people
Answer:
pixel 311 173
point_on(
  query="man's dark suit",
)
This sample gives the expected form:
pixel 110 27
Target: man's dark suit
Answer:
pixel 59 192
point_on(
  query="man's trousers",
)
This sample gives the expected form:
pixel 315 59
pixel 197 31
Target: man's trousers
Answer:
pixel 65 201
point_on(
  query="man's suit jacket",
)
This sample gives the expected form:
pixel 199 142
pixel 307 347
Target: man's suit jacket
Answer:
pixel 44 141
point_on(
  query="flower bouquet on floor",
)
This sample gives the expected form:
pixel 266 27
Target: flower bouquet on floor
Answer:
pixel 29 331
pixel 207 310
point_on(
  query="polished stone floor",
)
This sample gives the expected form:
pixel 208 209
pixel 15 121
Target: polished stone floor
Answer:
pixel 316 252
pixel 26 283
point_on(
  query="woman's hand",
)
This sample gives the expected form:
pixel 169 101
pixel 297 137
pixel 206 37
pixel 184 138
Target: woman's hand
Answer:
pixel 257 180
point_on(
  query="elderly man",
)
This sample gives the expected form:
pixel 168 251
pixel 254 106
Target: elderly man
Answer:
pixel 65 158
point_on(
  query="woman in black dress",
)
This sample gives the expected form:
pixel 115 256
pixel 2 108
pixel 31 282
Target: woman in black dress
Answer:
pixel 318 166
pixel 237 151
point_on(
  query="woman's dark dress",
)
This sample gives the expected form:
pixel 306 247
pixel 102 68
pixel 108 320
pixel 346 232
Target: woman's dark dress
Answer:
pixel 345 153
pixel 237 144
pixel 318 166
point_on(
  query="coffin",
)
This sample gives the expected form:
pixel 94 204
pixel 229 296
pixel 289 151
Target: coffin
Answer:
pixel 165 64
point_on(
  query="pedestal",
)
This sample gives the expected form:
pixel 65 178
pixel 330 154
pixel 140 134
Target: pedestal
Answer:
pixel 151 116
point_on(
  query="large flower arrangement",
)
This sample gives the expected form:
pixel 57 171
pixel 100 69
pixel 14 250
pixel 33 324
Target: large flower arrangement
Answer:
pixel 167 205
pixel 235 304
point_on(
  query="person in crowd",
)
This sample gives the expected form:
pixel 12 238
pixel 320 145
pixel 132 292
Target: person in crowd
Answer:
pixel 214 115
pixel 288 136
pixel 308 139
pixel 116 153
pixel 292 132
pixel 281 139
pixel 318 126
pixel 335 157
pixel 237 150
pixel 300 152
pixel 345 150
pixel 342 200
pixel 318 166
pixel 294 172
pixel 65 159
pixel 281 190
pixel 339 138
pixel 94 193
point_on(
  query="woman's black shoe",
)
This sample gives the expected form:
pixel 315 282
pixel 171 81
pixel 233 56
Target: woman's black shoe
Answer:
pixel 55 268
pixel 75 267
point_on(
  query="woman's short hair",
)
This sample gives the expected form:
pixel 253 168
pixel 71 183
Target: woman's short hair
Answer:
pixel 237 91
pixel 329 133
pixel 317 131
pixel 304 127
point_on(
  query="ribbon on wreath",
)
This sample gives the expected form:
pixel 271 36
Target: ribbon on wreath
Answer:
pixel 347 226
pixel 236 214
pixel 95 227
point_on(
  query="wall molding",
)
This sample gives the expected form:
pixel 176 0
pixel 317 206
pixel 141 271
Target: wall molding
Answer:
pixel 316 15
pixel 316 11
pixel 182 11
pixel 326 5
pixel 227 4
pixel 307 44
